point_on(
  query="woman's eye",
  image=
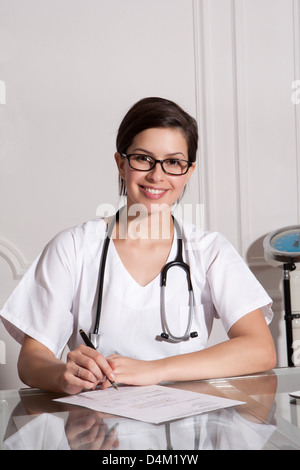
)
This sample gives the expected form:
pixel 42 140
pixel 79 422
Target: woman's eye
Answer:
pixel 173 162
pixel 142 158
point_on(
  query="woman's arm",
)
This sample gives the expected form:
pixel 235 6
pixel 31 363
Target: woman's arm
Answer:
pixel 38 367
pixel 250 349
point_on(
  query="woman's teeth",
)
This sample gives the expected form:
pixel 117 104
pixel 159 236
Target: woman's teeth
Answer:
pixel 154 191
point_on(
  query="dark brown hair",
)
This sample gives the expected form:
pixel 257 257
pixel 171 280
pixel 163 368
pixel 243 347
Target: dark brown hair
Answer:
pixel 151 113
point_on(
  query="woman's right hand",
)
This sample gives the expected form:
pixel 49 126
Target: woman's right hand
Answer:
pixel 85 369
pixel 86 430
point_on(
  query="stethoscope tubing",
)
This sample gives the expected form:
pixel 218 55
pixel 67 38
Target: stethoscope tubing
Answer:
pixel 167 335
pixel 102 270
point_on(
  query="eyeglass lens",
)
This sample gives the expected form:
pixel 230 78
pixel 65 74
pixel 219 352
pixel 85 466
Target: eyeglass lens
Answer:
pixel 173 166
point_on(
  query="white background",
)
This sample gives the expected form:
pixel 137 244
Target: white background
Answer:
pixel 69 71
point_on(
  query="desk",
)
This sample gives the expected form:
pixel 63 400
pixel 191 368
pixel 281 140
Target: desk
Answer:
pixel 270 419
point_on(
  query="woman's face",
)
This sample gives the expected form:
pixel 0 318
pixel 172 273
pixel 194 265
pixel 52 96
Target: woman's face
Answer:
pixel 154 188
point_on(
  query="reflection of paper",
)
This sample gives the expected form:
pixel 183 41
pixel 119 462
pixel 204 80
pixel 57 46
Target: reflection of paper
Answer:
pixel 153 403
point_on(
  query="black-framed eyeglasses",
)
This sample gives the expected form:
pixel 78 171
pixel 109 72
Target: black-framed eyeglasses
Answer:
pixel 171 166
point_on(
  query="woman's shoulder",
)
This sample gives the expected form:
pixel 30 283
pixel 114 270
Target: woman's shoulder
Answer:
pixel 72 238
pixel 199 238
pixel 207 246
pixel 92 228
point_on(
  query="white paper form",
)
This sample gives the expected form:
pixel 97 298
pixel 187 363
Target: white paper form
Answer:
pixel 295 394
pixel 152 403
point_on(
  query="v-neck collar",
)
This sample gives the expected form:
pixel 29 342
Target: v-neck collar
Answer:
pixel 119 262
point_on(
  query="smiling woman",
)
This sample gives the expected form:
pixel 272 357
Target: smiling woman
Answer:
pixel 156 113
pixel 156 154
pixel 144 180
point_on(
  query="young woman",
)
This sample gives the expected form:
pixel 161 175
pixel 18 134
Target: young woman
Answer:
pixel 156 153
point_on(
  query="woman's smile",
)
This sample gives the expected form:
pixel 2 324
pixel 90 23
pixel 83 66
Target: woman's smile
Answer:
pixel 153 193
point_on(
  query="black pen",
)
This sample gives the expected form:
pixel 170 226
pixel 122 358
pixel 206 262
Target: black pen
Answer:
pixel 88 342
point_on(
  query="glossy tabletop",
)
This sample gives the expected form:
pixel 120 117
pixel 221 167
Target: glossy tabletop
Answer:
pixel 269 419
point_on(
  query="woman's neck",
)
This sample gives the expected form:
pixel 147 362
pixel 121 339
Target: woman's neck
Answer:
pixel 138 224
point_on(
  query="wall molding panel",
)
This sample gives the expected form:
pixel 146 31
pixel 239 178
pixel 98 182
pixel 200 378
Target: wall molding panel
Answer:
pixel 296 47
pixel 240 130
pixel 200 102
pixel 239 110
pixel 249 130
pixel 14 259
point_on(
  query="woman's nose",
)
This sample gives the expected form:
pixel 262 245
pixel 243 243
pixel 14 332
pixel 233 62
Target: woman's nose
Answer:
pixel 157 173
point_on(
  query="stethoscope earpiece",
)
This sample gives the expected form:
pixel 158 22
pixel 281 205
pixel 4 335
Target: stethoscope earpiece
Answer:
pixel 193 334
pixel 165 335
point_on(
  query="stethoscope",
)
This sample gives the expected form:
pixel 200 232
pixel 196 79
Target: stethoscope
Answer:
pixel 166 335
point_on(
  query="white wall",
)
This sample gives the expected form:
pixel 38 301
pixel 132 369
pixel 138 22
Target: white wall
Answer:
pixel 72 68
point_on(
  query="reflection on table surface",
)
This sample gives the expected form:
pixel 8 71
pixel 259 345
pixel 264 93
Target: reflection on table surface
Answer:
pixel 269 419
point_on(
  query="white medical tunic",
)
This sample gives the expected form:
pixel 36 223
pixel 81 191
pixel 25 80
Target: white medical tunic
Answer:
pixel 58 295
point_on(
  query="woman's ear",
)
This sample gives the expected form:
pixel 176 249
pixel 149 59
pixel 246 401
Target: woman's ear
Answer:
pixel 190 172
pixel 120 164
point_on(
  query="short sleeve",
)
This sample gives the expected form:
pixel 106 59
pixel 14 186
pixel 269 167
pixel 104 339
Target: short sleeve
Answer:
pixel 41 304
pixel 235 291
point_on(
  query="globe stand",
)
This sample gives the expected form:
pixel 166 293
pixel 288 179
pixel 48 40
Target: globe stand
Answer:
pixel 282 248
pixel 288 317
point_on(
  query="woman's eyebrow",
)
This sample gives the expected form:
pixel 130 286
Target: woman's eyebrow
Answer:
pixel 142 150
pixel 152 154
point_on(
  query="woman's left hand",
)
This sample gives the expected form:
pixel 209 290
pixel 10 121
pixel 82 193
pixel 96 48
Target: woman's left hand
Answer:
pixel 132 371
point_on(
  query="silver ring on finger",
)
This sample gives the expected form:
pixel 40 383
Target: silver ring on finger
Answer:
pixel 78 372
